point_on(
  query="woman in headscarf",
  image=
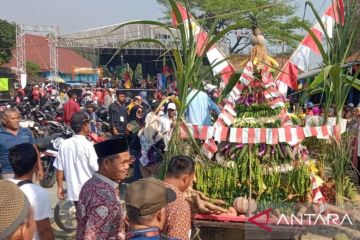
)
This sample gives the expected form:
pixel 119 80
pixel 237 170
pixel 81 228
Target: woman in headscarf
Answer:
pixel 152 144
pixel 135 124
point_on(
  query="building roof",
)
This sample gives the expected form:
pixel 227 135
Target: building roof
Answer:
pixel 37 50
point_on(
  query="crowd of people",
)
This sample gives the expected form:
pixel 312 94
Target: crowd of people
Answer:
pixel 150 210
pixel 140 130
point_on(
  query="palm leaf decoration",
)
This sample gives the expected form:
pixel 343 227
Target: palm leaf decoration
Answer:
pixel 335 82
pixel 189 69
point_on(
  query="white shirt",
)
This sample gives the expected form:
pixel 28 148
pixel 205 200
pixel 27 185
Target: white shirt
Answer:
pixel 78 159
pixel 165 128
pixel 39 201
pixel 165 124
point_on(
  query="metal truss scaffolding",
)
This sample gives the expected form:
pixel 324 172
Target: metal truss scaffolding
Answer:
pixel 53 38
pixel 20 50
pixel 106 38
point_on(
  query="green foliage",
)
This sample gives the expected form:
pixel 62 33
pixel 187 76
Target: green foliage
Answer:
pixel 276 19
pixel 257 111
pixel 334 81
pixel 32 69
pixel 337 158
pixel 227 183
pixel 138 74
pixel 7 40
pixel 122 69
pixel 188 66
pixel 341 155
pixel 231 84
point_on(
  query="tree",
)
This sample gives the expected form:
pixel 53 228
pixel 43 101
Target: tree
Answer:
pixel 32 69
pixel 7 40
pixel 277 20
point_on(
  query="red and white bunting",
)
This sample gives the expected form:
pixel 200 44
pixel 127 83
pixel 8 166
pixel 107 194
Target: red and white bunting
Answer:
pixel 235 94
pixel 290 135
pixel 284 117
pixel 209 148
pixel 224 69
pixel 227 117
pixel 301 56
pixel 230 109
pixel 247 76
pixel 317 196
pixel 270 92
pixel 221 134
pixel 278 102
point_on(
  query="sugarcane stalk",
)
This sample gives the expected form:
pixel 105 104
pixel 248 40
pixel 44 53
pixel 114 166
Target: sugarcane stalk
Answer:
pixel 250 176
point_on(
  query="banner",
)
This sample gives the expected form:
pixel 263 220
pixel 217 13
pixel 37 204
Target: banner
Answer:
pixel 4 84
pixel 23 78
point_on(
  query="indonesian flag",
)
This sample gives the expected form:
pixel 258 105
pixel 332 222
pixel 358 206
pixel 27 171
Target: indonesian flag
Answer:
pixel 209 148
pixel 221 67
pixel 300 58
pixel 317 196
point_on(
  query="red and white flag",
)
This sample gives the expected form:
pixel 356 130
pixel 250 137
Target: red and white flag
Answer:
pixel 221 67
pixel 209 148
pixel 299 61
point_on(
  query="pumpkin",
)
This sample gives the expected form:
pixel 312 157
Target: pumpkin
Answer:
pixel 242 204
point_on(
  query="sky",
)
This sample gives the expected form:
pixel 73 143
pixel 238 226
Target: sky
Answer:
pixel 78 15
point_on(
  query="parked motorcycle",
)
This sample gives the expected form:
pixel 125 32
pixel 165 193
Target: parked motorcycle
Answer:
pixel 52 127
pixel 103 114
pixel 36 128
pixel 48 147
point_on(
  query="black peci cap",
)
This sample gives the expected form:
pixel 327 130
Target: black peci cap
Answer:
pixel 111 147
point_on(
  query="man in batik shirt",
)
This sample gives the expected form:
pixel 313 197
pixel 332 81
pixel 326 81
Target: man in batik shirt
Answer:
pixel 99 213
pixel 179 177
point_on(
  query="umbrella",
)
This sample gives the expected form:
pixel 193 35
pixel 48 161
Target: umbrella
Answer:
pixel 57 79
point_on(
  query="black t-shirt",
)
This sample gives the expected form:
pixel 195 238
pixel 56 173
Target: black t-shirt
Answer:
pixel 118 116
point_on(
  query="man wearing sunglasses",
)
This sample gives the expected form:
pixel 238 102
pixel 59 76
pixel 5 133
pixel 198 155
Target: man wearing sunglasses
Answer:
pixel 76 159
